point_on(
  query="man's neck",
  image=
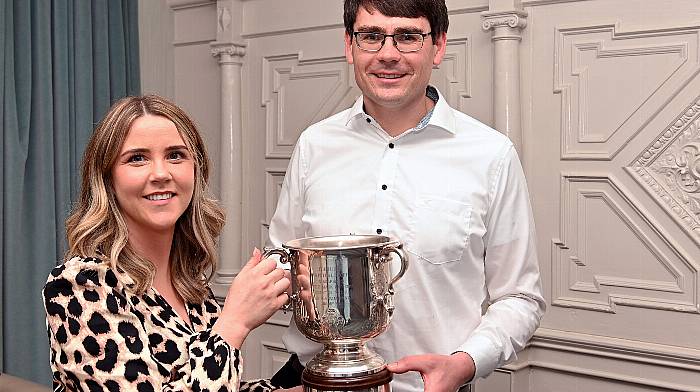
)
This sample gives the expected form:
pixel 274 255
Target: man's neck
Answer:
pixel 397 120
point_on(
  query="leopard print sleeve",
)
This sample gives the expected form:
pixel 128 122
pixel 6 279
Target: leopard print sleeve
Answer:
pixel 102 337
pixel 209 312
pixel 257 386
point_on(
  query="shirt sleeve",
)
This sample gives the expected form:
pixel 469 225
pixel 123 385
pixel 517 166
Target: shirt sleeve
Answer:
pixel 97 340
pixel 286 223
pixel 511 272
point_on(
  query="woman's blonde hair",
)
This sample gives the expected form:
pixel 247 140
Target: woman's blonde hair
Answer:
pixel 96 226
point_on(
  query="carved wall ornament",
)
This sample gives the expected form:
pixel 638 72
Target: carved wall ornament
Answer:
pixel 670 169
pixel 224 19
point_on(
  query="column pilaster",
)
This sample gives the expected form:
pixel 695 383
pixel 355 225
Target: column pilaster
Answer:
pixel 230 50
pixel 506 27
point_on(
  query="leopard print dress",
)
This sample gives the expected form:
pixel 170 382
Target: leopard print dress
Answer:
pixel 105 338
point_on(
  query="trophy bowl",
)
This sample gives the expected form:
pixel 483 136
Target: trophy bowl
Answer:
pixel 342 295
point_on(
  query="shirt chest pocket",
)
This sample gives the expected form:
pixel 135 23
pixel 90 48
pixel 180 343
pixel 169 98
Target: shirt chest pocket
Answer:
pixel 439 229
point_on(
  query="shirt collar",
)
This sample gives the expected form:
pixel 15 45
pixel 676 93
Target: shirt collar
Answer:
pixel 441 116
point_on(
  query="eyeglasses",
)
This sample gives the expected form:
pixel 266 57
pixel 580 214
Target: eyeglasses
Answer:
pixel 404 42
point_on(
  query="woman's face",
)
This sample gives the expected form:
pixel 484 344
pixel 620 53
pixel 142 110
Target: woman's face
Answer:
pixel 153 176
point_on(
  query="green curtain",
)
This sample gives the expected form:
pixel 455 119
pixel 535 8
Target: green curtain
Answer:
pixel 62 63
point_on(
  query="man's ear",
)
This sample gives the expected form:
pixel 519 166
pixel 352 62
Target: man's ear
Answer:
pixel 348 48
pixel 440 42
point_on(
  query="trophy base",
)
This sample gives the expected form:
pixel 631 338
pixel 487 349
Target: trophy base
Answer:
pixel 340 359
pixel 377 382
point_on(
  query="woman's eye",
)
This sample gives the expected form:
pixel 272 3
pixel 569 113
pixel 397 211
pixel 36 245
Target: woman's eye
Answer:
pixel 176 155
pixel 136 158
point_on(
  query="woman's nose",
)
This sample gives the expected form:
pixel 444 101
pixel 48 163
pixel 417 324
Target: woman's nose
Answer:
pixel 160 171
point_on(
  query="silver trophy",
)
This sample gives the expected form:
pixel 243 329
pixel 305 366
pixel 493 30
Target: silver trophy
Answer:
pixel 342 295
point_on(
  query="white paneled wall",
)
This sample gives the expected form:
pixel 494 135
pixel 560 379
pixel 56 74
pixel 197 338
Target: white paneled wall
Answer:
pixel 608 122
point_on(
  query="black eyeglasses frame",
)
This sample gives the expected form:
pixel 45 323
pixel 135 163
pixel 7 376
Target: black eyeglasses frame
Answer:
pixel 422 35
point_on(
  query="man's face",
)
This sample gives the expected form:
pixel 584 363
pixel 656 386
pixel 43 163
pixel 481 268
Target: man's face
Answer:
pixel 388 78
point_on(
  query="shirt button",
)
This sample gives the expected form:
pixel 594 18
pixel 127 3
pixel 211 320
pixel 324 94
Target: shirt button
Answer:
pixel 391 145
pixel 369 120
pixel 384 187
pixel 379 231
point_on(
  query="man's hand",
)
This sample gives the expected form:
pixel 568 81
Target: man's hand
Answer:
pixel 441 373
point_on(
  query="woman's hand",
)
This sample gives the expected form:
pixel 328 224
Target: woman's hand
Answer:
pixel 259 290
pixel 298 388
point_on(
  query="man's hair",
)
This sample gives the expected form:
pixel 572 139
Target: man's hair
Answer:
pixel 434 10
pixel 96 226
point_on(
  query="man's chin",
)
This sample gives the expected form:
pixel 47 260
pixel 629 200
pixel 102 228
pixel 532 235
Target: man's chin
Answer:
pixel 388 98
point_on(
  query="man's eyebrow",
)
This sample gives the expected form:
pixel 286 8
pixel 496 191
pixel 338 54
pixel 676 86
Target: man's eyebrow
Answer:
pixel 398 30
pixel 408 30
pixel 370 29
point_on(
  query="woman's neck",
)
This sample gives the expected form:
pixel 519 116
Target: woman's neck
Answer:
pixel 155 247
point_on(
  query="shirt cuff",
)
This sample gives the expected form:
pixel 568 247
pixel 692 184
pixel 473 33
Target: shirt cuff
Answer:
pixel 484 353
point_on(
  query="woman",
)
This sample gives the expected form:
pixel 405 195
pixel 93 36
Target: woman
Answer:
pixel 131 310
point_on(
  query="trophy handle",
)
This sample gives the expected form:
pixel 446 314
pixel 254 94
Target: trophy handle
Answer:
pixel 283 254
pixel 284 259
pixel 404 264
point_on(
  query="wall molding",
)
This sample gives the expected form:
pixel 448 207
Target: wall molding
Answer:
pixel 545 347
pixel 570 290
pixel 455 72
pixel 286 68
pixel 535 3
pixel 616 348
pixel 608 41
pixel 182 4
pixel 335 20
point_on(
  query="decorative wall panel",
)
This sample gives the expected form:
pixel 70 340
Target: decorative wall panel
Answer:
pixel 273 356
pixel 453 76
pixel 648 69
pixel 297 93
pixel 610 253
pixel 669 169
pixel 273 188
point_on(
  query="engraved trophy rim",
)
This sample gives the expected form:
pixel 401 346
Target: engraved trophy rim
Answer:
pixel 340 242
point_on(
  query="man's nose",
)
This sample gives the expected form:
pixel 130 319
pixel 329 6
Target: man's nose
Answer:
pixel 388 51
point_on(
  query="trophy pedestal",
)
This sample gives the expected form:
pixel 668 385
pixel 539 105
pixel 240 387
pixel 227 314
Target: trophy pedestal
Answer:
pixel 377 382
pixel 346 366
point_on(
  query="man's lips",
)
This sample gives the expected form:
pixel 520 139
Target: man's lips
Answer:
pixel 388 76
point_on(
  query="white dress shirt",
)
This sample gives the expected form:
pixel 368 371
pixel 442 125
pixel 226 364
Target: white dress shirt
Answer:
pixel 453 191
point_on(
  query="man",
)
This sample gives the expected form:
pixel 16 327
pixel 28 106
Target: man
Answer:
pixel 402 163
